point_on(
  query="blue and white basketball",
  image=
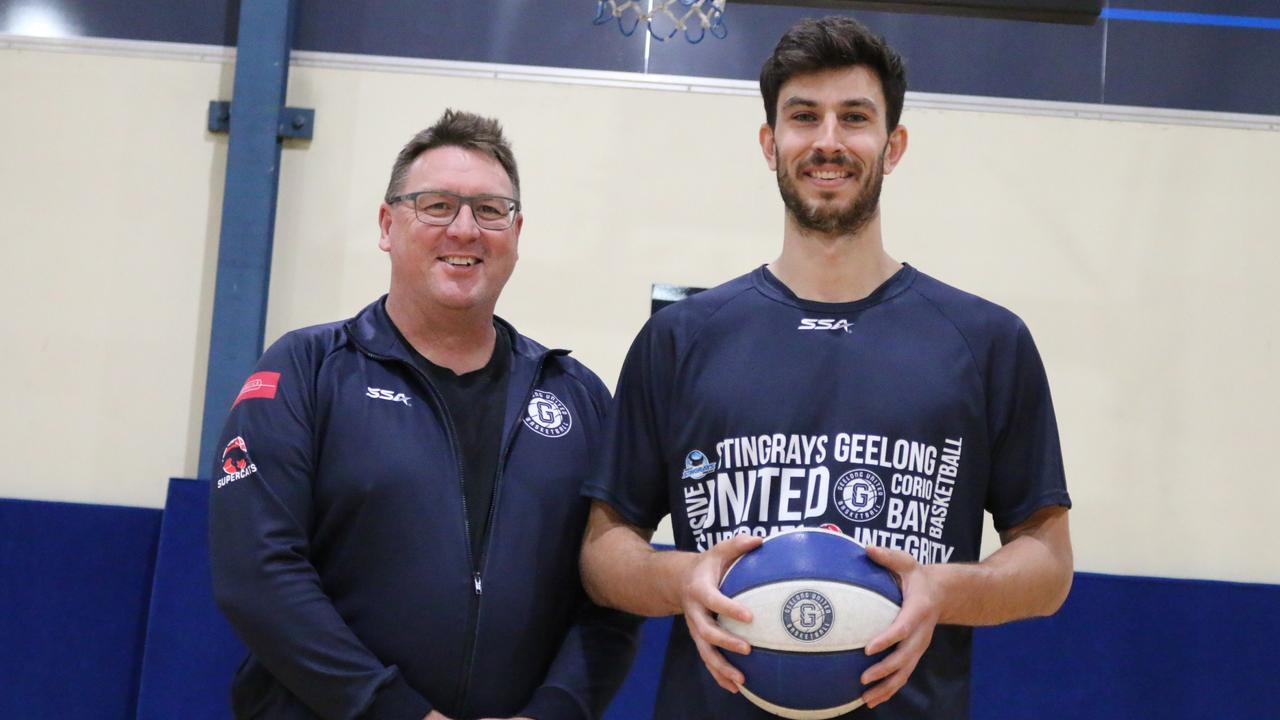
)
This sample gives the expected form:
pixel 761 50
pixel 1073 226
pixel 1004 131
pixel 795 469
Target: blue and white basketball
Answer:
pixel 816 600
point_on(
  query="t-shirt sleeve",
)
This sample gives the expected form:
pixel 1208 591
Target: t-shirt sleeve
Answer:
pixel 1026 456
pixel 631 476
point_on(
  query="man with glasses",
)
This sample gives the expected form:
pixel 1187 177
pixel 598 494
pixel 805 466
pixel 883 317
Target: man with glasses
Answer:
pixel 396 519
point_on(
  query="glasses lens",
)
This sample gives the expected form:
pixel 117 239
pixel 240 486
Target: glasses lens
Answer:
pixel 436 208
pixel 492 213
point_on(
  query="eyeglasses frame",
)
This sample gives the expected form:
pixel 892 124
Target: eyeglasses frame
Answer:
pixel 462 200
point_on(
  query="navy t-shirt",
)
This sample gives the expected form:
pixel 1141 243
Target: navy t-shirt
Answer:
pixel 896 419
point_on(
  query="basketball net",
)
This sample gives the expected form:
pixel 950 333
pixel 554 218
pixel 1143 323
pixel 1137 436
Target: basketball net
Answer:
pixel 665 18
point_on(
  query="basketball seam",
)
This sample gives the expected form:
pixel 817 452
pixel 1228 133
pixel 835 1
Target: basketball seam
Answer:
pixel 837 581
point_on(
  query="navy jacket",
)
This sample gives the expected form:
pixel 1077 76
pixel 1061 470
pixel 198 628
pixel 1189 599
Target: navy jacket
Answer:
pixel 340 547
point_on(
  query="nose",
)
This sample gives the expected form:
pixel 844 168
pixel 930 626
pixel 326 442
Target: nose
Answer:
pixel 464 225
pixel 827 138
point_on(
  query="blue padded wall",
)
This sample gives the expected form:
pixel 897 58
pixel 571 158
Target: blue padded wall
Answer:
pixel 1133 647
pixel 74 583
pixel 191 651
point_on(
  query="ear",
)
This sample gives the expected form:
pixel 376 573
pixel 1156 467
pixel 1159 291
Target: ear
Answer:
pixel 769 147
pixel 516 238
pixel 896 148
pixel 384 226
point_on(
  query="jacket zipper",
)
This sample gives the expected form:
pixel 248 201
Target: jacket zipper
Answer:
pixel 493 505
pixel 473 611
pixel 473 615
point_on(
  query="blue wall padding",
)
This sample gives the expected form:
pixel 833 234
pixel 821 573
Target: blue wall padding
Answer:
pixel 74 582
pixel 191 651
pixel 1132 647
pixel 636 697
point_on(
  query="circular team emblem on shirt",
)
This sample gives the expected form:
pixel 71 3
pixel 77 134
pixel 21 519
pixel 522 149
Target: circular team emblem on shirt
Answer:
pixel 859 495
pixel 547 416
pixel 807 615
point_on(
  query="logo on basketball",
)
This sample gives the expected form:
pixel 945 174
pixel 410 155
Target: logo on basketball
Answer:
pixel 697 466
pixel 807 615
pixel 859 495
pixel 547 416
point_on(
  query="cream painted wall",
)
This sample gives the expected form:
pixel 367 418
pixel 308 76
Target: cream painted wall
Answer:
pixel 1138 254
pixel 110 195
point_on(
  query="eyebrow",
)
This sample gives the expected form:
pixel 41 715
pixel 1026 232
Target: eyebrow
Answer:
pixel 859 102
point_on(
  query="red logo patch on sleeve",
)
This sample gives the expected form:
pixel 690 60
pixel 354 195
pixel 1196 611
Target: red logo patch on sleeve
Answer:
pixel 259 385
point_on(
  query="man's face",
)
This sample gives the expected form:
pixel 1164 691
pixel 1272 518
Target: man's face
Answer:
pixel 831 149
pixel 460 266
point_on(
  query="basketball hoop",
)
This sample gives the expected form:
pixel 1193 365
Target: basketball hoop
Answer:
pixel 665 18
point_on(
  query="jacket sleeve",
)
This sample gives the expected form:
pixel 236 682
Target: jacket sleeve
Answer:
pixel 260 515
pixel 588 670
pixel 598 649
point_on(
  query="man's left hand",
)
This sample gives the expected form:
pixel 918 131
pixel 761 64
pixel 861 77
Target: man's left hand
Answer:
pixel 912 630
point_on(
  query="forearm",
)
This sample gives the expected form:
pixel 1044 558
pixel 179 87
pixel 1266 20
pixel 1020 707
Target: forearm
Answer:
pixel 1029 576
pixel 621 570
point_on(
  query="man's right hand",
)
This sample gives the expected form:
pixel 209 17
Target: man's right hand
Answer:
pixel 436 715
pixel 701 599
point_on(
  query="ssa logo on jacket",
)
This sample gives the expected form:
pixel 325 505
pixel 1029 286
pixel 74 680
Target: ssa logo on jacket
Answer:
pixel 382 394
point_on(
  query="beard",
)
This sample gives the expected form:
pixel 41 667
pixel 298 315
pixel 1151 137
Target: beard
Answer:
pixel 826 218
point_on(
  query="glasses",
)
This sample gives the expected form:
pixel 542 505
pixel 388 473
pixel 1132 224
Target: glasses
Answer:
pixel 440 207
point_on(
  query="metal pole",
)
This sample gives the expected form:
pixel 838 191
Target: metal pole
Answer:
pixel 248 209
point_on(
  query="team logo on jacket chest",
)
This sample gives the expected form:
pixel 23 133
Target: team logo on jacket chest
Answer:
pixel 547 416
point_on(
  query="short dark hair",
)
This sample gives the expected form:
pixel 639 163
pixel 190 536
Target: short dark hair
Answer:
pixel 457 128
pixel 827 43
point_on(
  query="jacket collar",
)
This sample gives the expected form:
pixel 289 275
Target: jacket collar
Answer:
pixel 373 332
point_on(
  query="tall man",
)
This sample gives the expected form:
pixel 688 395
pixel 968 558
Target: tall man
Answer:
pixel 396 518
pixel 838 387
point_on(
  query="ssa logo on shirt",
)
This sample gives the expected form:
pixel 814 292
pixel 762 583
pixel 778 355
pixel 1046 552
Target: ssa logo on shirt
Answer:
pixel 825 324
pixel 393 396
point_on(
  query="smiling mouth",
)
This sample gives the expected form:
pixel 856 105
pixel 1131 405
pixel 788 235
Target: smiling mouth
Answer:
pixel 829 174
pixel 459 261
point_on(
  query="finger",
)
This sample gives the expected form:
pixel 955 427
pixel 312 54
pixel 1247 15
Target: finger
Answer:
pixel 703 625
pixel 736 546
pixel 887 688
pixel 893 560
pixel 725 675
pixel 897 631
pixel 883 669
pixel 906 655
pixel 715 601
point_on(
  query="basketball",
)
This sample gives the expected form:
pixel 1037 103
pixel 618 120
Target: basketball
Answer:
pixel 816 600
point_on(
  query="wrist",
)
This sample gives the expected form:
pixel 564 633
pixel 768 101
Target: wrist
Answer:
pixel 674 570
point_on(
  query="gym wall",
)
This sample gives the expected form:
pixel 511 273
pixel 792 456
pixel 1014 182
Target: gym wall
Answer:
pixel 1139 254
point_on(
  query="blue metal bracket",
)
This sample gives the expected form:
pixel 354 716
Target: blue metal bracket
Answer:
pixel 294 123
